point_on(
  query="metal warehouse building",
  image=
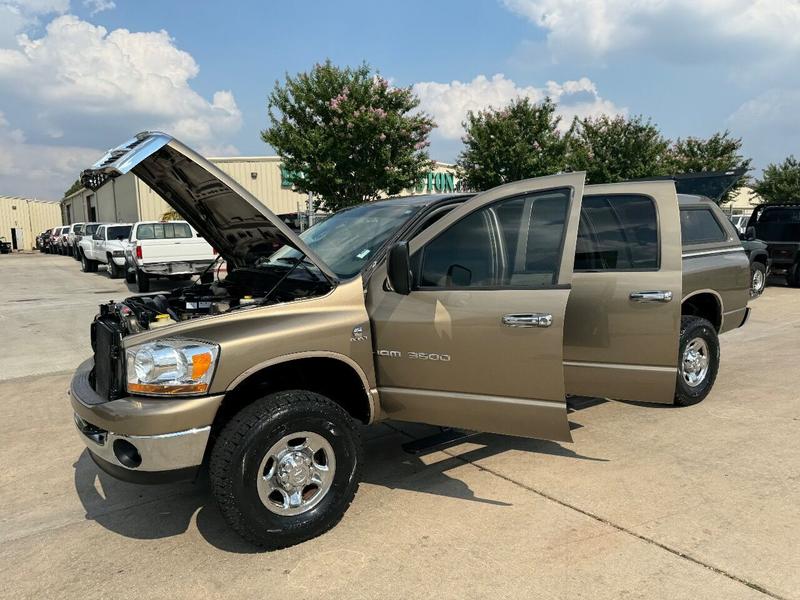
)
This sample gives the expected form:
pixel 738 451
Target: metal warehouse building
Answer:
pixel 22 219
pixel 128 199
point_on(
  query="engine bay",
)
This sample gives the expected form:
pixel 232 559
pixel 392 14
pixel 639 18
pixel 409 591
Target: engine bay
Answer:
pixel 241 289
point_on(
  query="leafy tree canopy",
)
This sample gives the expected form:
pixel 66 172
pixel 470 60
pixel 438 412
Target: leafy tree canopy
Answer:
pixel 780 183
pixel 612 149
pixel 73 188
pixel 519 141
pixel 720 152
pixel 348 134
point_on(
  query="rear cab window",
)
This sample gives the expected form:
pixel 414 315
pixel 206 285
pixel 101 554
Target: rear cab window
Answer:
pixel 163 231
pixel 617 233
pixel 700 226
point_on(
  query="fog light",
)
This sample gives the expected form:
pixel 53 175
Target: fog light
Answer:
pixel 127 454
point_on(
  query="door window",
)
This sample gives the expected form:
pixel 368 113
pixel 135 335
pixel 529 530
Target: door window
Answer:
pixel 617 233
pixel 513 243
pixel 699 226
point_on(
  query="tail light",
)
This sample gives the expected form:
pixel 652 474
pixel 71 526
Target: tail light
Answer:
pixel 139 251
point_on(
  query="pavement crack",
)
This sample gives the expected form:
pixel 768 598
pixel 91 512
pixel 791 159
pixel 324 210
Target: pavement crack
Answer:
pixel 621 528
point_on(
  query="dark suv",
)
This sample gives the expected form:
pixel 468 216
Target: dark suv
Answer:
pixel 779 226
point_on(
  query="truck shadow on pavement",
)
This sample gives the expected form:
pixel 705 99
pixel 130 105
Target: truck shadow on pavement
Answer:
pixel 162 511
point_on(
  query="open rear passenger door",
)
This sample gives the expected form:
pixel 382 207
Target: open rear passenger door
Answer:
pixel 477 342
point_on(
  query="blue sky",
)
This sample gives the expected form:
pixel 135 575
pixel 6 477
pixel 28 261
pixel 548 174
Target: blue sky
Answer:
pixel 78 76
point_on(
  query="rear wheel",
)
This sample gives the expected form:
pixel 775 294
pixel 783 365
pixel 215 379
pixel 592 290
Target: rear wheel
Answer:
pixel 142 281
pixel 285 468
pixel 130 276
pixel 698 360
pixel 758 279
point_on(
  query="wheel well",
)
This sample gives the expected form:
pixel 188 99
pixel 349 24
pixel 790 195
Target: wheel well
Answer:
pixel 761 257
pixel 705 305
pixel 327 376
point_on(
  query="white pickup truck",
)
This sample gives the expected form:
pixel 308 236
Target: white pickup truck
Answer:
pixel 105 246
pixel 170 249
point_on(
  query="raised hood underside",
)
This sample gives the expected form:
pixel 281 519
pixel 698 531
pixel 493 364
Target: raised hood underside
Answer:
pixel 231 219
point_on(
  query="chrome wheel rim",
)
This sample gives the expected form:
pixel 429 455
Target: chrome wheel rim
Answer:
pixel 758 281
pixel 296 473
pixel 695 362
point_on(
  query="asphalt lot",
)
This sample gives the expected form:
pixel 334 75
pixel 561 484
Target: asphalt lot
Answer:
pixel 648 502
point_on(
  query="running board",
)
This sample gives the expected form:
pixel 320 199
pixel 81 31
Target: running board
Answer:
pixel 446 436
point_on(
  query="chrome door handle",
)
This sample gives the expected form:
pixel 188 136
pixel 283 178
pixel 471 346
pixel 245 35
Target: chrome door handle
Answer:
pixel 651 296
pixel 528 320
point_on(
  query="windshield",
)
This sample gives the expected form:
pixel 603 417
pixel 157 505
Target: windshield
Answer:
pixel 349 239
pixel 779 225
pixel 118 232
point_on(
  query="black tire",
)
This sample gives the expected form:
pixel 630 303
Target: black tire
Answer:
pixel 242 445
pixel 114 272
pixel 87 264
pixel 793 277
pixel 758 279
pixel 76 253
pixel 693 328
pixel 130 276
pixel 142 282
pixel 207 278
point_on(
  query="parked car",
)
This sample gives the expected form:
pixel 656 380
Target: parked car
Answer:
pixel 476 311
pixel 54 245
pixel 166 249
pixel 63 240
pixel 778 225
pixel 106 246
pixel 740 222
pixel 73 237
pixel 42 240
pixel 5 246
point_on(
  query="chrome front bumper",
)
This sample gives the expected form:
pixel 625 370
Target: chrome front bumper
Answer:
pixel 145 453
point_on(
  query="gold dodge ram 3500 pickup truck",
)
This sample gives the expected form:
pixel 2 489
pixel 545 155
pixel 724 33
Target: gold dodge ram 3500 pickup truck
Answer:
pixel 477 311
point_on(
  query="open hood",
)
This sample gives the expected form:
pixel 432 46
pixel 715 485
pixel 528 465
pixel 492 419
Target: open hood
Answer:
pixel 711 184
pixel 231 219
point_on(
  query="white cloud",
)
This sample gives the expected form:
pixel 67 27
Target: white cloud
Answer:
pixel 16 15
pixel 448 103
pixel 80 86
pixel 769 125
pixel 676 29
pixel 96 6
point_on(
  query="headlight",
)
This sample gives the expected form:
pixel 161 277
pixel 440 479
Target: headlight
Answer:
pixel 171 367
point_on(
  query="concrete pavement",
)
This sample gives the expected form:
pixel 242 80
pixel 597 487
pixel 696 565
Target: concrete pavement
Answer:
pixel 648 502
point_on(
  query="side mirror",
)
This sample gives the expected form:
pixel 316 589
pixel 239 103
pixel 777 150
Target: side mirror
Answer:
pixel 399 268
pixel 750 233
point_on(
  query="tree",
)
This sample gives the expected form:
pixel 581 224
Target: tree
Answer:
pixel 73 188
pixel 720 152
pixel 612 149
pixel 347 135
pixel 780 183
pixel 516 142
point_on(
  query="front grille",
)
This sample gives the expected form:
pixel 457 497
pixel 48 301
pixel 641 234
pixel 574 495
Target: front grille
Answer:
pixel 108 367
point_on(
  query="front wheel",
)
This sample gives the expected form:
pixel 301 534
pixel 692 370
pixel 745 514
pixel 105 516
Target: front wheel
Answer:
pixel 758 279
pixel 698 360
pixel 114 272
pixel 88 265
pixel 286 468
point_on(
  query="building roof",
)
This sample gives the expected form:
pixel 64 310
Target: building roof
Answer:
pixel 25 199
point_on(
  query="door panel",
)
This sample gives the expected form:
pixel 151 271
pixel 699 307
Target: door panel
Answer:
pixel 616 345
pixel 482 348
